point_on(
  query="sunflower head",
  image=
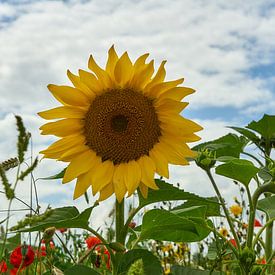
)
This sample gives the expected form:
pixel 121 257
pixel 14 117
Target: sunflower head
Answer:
pixel 236 210
pixel 119 126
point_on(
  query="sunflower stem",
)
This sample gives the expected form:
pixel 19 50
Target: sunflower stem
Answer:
pixel 120 237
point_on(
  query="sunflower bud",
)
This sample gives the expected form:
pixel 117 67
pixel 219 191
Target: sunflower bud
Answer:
pixel 247 258
pixel 206 159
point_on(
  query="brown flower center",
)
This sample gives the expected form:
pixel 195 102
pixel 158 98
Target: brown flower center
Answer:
pixel 121 125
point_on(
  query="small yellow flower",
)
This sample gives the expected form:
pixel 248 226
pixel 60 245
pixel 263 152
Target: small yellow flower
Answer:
pixel 223 231
pixel 236 210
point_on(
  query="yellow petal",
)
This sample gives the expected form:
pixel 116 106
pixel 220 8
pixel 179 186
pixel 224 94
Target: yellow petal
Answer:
pixel 111 62
pixel 173 153
pixel 178 122
pixel 140 79
pixel 148 169
pixel 79 165
pixel 68 95
pixel 132 176
pixel 65 143
pixel 91 81
pixel 106 192
pixel 169 106
pixel 160 161
pixel 176 93
pixel 123 69
pixel 118 181
pixel 102 175
pixel 80 85
pixel 82 184
pixel 63 112
pixel 144 190
pixel 160 88
pixel 62 128
pixel 74 150
pixel 139 64
pixel 159 77
pixel 101 74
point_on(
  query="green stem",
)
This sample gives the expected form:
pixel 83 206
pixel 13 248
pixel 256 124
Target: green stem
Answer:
pixel 120 236
pixel 120 222
pixel 208 172
pixel 261 231
pixel 269 229
pixel 268 187
pixel 253 157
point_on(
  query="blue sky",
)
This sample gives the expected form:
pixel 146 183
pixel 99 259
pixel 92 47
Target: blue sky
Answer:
pixel 225 50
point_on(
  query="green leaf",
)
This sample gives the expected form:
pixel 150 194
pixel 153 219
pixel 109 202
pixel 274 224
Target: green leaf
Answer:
pixel 264 174
pixel 11 243
pixel 151 263
pixel 81 269
pixel 228 145
pixel 211 203
pixel 247 133
pixel 167 192
pixel 184 270
pixel 163 225
pixel 240 169
pixel 265 126
pixel 267 205
pixel 59 175
pixel 64 217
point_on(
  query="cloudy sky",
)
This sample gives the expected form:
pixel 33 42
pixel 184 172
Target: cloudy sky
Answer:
pixel 223 49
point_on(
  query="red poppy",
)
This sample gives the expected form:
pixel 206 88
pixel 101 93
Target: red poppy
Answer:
pixel 3 267
pixel 108 260
pixel 62 230
pixel 92 242
pixel 14 271
pixel 16 256
pixel 233 242
pixel 257 223
pixel 263 261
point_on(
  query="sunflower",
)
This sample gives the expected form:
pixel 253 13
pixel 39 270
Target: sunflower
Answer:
pixel 119 126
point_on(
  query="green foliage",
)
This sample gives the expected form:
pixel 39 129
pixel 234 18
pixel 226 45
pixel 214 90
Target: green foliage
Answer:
pixel 64 217
pixel 228 145
pixel 59 175
pixel 238 169
pixel 28 170
pixel 9 163
pixel 265 126
pixel 186 225
pixel 81 269
pixel 151 264
pixel 11 243
pixel 168 192
pixel 211 203
pixel 184 270
pixel 268 206
pixel 23 138
pixel 9 192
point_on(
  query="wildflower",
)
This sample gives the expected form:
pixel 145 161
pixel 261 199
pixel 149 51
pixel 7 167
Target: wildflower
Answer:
pixel 244 225
pixel 3 267
pixel 119 126
pixel 236 209
pixel 22 253
pixel 223 231
pixel 233 242
pixel 257 223
pixel 62 230
pixel 107 258
pixel 92 242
